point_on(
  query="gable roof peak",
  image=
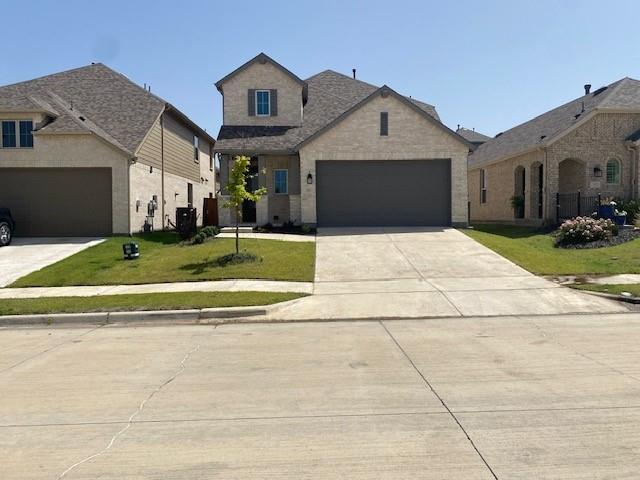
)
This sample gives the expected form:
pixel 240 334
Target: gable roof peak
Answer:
pixel 260 58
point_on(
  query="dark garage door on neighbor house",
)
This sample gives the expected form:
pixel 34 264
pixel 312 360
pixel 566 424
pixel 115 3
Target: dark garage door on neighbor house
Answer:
pixel 383 193
pixel 58 201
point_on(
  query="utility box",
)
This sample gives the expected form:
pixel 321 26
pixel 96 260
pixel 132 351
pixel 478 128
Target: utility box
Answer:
pixel 186 218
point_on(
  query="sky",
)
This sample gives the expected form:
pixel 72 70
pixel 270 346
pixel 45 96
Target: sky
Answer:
pixel 488 65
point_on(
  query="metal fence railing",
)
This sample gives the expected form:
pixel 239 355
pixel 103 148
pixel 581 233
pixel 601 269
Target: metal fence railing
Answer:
pixel 570 205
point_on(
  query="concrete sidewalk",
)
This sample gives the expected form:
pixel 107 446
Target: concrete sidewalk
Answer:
pixel 216 286
pixel 285 237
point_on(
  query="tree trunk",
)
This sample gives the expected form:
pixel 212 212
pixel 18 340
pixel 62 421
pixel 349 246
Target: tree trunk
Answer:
pixel 238 214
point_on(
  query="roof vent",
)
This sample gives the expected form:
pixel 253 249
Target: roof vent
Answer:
pixel 587 88
pixel 354 73
pixel 542 137
pixel 577 115
pixel 81 118
pixel 599 91
pixel 498 135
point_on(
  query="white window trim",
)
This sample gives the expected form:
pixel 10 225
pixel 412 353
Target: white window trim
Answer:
pixel 17 130
pixel 268 114
pixel 606 171
pixel 196 148
pixel 483 185
pixel 286 192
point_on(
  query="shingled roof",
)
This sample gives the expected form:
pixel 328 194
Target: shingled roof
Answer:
pixel 330 94
pixel 546 128
pixel 472 136
pixel 94 99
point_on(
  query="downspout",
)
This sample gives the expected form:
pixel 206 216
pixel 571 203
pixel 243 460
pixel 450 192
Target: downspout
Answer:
pixel 162 167
pixel 130 164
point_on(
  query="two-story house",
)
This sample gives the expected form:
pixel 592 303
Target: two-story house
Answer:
pixel 335 151
pixel 88 152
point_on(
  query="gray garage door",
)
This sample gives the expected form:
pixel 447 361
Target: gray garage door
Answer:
pixel 58 201
pixel 384 193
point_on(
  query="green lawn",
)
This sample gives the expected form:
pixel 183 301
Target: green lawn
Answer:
pixel 534 251
pixel 153 301
pixel 164 259
pixel 634 289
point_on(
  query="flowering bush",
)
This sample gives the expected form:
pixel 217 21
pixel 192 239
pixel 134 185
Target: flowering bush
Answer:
pixel 585 230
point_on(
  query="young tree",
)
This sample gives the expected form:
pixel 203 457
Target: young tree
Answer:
pixel 238 193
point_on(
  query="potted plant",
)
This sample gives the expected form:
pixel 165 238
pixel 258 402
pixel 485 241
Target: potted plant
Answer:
pixel 620 217
pixel 607 208
pixel 517 203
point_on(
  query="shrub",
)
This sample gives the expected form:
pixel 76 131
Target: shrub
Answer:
pixel 306 229
pixel 585 230
pixel 631 208
pixel 210 231
pixel 198 238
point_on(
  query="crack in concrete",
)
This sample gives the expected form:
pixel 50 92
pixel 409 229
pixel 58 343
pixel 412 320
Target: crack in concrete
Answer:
pixel 444 404
pixel 134 414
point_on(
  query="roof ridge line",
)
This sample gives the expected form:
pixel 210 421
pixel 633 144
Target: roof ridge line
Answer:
pixel 52 75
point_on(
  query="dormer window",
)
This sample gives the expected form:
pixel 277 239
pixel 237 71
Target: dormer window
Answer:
pixel 263 103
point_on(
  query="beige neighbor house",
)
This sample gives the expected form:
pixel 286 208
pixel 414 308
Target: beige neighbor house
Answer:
pixel 88 152
pixel 335 151
pixel 561 161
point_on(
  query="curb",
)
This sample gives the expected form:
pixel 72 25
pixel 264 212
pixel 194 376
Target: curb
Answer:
pixel 612 296
pixel 205 315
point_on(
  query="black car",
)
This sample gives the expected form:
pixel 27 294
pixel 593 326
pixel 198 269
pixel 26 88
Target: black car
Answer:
pixel 7 226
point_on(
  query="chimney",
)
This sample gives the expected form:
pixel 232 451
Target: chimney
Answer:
pixel 354 73
pixel 587 88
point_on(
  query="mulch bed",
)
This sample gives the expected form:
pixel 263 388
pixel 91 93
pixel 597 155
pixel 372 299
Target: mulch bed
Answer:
pixel 624 235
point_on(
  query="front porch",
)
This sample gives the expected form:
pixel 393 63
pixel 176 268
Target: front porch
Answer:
pixel 280 175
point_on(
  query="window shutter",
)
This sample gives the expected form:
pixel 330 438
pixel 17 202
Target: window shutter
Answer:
pixel 273 95
pixel 384 123
pixel 251 101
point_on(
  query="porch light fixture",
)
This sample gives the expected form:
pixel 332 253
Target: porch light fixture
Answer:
pixel 597 172
pixel 309 178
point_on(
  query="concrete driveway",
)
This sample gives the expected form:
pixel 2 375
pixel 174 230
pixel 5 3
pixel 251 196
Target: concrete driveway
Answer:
pixel 469 398
pixel 418 272
pixel 26 255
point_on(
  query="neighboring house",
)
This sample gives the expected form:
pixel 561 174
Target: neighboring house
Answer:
pixel 88 152
pixel 335 151
pixel 475 138
pixel 559 162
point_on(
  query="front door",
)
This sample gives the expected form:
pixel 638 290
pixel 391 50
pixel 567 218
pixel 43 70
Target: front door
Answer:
pixel 248 207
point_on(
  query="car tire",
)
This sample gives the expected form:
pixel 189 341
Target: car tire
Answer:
pixel 5 234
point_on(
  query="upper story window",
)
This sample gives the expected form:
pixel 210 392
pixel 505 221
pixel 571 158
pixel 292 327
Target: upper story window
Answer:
pixel 196 148
pixel 263 103
pixel 26 134
pixel 9 134
pixel 483 186
pixel 281 181
pixel 613 171
pixel 17 134
pixel 384 124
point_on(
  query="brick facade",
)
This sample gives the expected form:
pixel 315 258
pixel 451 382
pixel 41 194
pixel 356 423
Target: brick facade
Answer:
pixel 588 146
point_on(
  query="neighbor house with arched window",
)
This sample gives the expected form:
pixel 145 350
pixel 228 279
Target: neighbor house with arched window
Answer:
pixel 557 164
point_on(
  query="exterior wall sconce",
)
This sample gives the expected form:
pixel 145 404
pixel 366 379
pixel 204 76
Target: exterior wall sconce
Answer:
pixel 597 172
pixel 309 179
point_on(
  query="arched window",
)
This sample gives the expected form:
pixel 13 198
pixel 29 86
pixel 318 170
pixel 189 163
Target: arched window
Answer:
pixel 613 171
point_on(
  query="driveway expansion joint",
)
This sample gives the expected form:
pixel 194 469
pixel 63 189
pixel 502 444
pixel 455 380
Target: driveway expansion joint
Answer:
pixel 444 404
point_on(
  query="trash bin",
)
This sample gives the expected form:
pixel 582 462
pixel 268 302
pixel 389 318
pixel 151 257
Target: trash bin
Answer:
pixel 186 218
